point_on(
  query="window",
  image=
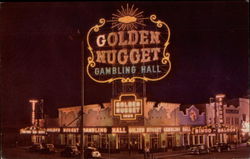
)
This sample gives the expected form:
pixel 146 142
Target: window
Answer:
pixel 236 121
pixel 196 139
pixel 185 139
pixel 201 139
pixel 227 120
pixel 244 117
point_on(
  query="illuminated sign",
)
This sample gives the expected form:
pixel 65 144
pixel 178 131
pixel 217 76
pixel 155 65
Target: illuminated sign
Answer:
pixel 52 130
pixel 127 107
pixel 186 129
pixel 202 130
pixel 33 103
pixel 171 129
pixel 154 129
pixel 245 127
pixel 118 130
pixel 192 115
pixel 41 132
pixel 95 130
pixel 70 130
pixel 136 130
pixel 226 130
pixel 32 130
pixel 232 111
pixel 76 130
pixel 127 47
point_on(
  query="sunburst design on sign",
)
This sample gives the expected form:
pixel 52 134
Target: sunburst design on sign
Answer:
pixel 130 19
pixel 127 19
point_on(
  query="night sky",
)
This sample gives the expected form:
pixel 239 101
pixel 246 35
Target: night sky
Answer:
pixel 41 53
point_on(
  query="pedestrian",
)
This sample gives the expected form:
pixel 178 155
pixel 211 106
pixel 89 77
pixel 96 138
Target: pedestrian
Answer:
pixel 78 145
pixel 147 151
pixel 130 148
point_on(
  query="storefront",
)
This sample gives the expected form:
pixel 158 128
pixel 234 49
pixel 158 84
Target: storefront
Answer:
pixel 133 138
pixel 160 126
pixel 37 134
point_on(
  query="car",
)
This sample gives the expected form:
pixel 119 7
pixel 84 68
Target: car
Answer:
pixel 36 148
pixel 198 149
pixel 92 153
pixel 233 146
pixel 48 148
pixel 221 147
pixel 248 142
pixel 70 151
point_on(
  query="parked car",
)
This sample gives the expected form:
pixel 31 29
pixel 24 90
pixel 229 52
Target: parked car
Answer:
pixel 221 147
pixel 233 146
pixel 92 153
pixel 36 148
pixel 70 151
pixel 48 148
pixel 248 142
pixel 199 149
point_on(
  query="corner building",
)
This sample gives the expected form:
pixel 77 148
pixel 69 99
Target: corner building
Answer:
pixel 132 123
pixel 156 125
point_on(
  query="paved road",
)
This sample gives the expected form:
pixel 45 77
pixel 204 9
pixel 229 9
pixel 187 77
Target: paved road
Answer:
pixel 240 153
pixel 21 153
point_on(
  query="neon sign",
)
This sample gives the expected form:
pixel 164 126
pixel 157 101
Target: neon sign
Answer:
pixel 33 130
pixel 70 130
pixel 171 129
pixel 95 130
pixel 53 130
pixel 154 129
pixel 128 47
pixel 136 130
pixel 119 130
pixel 127 107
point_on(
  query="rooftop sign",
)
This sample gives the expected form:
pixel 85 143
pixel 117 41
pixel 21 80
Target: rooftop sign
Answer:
pixel 127 47
pixel 127 107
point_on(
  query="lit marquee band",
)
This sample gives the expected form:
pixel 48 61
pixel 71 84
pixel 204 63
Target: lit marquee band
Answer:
pixel 119 130
pixel 127 107
pixel 128 47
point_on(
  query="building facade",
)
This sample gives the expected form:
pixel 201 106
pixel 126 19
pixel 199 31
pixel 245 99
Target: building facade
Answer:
pixel 127 124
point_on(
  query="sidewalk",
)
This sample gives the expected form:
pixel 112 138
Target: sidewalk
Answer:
pixel 135 155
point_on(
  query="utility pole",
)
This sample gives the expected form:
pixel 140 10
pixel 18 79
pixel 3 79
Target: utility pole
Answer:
pixel 81 127
pixel 78 36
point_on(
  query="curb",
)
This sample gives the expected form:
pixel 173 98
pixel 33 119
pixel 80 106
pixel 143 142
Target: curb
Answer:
pixel 173 155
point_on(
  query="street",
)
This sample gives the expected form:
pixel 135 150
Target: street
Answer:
pixel 240 153
pixel 22 153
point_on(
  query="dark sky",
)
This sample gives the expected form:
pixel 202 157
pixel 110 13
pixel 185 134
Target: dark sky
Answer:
pixel 209 53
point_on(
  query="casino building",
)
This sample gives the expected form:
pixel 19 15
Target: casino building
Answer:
pixel 154 125
pixel 130 122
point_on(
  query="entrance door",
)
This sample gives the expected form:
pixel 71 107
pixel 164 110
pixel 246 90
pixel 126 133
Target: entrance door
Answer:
pixel 135 142
pixel 170 141
pixel 123 142
pixel 154 141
